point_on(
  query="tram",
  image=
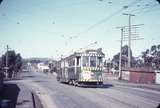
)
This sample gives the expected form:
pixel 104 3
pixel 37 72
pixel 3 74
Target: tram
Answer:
pixel 81 68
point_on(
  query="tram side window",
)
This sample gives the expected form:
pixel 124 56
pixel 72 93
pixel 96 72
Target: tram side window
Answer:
pixel 71 62
pixel 78 61
pixel 85 60
pixel 99 62
pixel 93 61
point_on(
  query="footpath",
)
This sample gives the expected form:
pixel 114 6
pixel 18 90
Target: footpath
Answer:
pixel 136 85
pixel 16 95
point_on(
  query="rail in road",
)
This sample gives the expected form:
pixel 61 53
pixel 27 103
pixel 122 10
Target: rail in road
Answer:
pixel 57 95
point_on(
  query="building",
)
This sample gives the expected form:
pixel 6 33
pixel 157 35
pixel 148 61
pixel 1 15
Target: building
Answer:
pixel 43 67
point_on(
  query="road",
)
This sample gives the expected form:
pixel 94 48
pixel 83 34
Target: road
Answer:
pixel 58 95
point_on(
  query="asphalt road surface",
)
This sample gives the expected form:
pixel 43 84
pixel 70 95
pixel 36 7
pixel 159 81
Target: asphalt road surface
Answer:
pixel 67 96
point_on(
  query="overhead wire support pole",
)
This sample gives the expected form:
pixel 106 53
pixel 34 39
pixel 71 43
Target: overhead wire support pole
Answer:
pixel 129 38
pixel 120 55
pixel 124 37
pixel 7 62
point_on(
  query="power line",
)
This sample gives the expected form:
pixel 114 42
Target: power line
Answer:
pixel 103 20
pixel 140 9
pixel 98 23
pixel 106 18
pixel 145 7
pixel 149 10
pixel 129 36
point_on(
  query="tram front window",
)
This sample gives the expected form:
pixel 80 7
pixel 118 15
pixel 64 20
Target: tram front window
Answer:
pixel 85 61
pixel 92 61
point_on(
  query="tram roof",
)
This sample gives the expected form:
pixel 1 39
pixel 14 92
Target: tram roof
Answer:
pixel 87 52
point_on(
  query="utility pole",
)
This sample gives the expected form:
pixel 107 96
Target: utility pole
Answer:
pixel 7 62
pixel 120 56
pixel 129 39
pixel 125 37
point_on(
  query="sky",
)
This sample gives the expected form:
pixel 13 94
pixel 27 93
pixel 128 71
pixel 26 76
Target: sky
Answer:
pixel 50 28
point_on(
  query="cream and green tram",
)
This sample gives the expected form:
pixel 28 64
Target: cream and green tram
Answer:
pixel 81 68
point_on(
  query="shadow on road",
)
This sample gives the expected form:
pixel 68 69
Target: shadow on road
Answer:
pixel 91 85
pixel 107 85
pixel 39 81
pixel 8 96
pixel 28 76
pixel 97 86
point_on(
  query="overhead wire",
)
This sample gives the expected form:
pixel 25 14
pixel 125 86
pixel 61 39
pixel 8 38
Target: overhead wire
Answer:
pixel 148 10
pixel 125 7
pixel 106 18
pixel 103 20
pixel 151 4
pixel 145 9
pixel 142 8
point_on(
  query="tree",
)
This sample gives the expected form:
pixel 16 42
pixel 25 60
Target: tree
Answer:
pixel 124 57
pixel 18 63
pixel 14 62
pixel 138 63
pixel 151 58
pixel 158 47
pixel 153 50
pixel 115 60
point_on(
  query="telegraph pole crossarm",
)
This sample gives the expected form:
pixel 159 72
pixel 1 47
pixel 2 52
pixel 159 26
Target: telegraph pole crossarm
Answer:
pixel 127 34
pixel 129 38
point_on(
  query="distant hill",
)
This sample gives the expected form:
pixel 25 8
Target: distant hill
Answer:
pixel 37 59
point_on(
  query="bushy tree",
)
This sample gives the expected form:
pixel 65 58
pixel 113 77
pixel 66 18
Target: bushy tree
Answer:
pixel 14 62
pixel 151 57
pixel 124 57
pixel 18 63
